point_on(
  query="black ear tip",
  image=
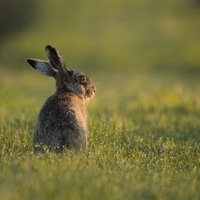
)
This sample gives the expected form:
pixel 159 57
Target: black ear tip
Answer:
pixel 49 47
pixel 31 62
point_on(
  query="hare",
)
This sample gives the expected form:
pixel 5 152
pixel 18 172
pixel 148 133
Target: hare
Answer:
pixel 62 121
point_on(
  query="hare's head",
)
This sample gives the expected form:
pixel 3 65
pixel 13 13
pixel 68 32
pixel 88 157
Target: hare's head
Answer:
pixel 66 80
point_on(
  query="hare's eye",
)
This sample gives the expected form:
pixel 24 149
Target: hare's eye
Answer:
pixel 81 78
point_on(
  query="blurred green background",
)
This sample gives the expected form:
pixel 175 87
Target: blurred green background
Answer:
pixel 107 35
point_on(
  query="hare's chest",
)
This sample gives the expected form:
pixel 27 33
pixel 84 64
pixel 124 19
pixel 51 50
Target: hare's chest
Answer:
pixel 81 117
pixel 76 106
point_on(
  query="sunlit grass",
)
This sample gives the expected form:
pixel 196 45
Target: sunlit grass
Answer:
pixel 144 122
pixel 143 143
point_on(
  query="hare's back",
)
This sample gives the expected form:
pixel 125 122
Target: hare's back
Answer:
pixel 57 125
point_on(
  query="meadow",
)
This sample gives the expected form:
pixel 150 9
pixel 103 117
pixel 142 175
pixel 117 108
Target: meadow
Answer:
pixel 143 140
pixel 144 121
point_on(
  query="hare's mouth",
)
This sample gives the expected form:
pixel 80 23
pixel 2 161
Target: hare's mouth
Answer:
pixel 90 92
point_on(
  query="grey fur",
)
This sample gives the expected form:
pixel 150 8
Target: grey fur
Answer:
pixel 62 121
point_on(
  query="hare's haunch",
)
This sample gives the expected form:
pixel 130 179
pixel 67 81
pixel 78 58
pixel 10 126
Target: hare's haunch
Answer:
pixel 62 121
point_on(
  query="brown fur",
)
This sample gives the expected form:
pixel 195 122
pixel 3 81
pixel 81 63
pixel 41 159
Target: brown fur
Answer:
pixel 62 121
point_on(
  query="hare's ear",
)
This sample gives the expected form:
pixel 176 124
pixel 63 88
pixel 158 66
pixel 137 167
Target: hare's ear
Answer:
pixel 43 67
pixel 55 59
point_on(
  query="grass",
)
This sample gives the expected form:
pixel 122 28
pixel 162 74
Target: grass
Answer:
pixel 144 123
pixel 143 143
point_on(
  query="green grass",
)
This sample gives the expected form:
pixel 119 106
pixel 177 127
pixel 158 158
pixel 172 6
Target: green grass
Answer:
pixel 144 123
pixel 144 140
